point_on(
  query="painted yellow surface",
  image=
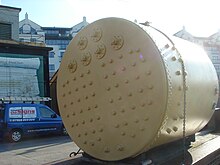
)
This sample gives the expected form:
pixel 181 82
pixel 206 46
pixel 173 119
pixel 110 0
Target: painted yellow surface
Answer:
pixel 121 89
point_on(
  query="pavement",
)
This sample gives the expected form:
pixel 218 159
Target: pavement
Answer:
pixel 42 150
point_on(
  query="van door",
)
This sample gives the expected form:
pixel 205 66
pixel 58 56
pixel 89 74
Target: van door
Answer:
pixel 50 122
pixel 2 121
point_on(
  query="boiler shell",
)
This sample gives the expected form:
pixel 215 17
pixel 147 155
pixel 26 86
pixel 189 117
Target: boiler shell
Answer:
pixel 121 89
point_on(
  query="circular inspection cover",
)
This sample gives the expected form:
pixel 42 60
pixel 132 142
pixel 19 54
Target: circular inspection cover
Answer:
pixel 112 89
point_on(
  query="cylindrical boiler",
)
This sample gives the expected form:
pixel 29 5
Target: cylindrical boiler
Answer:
pixel 124 89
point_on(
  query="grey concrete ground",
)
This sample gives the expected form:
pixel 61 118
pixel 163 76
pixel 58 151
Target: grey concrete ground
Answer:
pixel 42 150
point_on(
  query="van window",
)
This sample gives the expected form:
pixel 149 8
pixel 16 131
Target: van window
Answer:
pixel 1 112
pixel 46 112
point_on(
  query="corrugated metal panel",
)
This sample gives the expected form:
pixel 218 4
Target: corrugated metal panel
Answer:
pixel 5 31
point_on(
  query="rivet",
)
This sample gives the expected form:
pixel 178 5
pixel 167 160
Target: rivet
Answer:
pixel 90 83
pixel 99 139
pixel 116 85
pixel 74 79
pixel 120 56
pixel 178 72
pixel 111 61
pixel 64 95
pixel 84 86
pixel 85 142
pixel 149 73
pixel 114 113
pixel 142 128
pixel 175 118
pixel 150 87
pixel 108 88
pixel 65 106
pixel 103 64
pixel 98 118
pixel 126 81
pixel 93 94
pixel 111 100
pixel 123 110
pixel 83 122
pixel 175 128
pixel 168 130
pixel 81 111
pixel 113 73
pixel 130 94
pixel 69 92
pixel 133 64
pixel 92 143
pixel 150 102
pixel 123 133
pixel 143 104
pixel 67 116
pixel 140 90
pixel 67 82
pixel 64 85
pixel 77 124
pixel 105 76
pixel 133 107
pixel 106 150
pixel 174 58
pixel 116 125
pixel 173 48
pixel 88 71
pixel 125 123
pixel 76 89
pixel 136 121
pixel 81 75
pixel 85 133
pixel 73 113
pixel 138 50
pixel 133 135
pixel 79 135
pixel 178 104
pixel 119 98
pixel 72 125
pixel 88 108
pixel 180 60
pixel 143 59
pixel 120 148
pixel 100 130
pixel 78 100
pixel 96 106
pixel 123 68
pixel 137 77
pixel 91 120
pixel 93 131
pixel 146 119
pixel 86 97
pixel 130 51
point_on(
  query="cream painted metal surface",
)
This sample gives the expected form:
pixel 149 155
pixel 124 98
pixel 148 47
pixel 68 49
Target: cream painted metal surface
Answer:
pixel 120 89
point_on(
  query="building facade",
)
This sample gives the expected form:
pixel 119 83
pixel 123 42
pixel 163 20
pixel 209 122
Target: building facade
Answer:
pixel 9 24
pixel 56 37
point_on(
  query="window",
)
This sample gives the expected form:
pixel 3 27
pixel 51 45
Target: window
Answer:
pixel 33 40
pixel 51 54
pixel 51 67
pixel 44 112
pixel 21 39
pixel 61 54
pixel 5 31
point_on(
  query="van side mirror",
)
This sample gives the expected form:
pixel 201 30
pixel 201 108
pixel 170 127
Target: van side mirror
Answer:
pixel 54 116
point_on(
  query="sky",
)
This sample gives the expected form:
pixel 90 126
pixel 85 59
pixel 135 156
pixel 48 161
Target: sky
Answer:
pixel 201 18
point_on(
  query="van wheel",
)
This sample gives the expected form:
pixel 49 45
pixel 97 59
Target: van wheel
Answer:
pixel 64 132
pixel 15 135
